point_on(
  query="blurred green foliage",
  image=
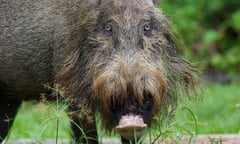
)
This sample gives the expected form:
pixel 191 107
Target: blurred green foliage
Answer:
pixel 210 31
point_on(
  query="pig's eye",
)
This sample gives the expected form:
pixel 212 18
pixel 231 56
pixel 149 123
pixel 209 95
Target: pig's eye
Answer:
pixel 147 27
pixel 108 28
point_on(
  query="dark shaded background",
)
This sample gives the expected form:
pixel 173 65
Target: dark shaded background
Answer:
pixel 211 34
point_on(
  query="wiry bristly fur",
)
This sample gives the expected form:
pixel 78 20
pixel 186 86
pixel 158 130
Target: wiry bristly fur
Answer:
pixel 117 58
pixel 109 69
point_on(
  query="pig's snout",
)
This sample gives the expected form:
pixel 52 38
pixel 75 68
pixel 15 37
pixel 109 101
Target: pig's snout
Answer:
pixel 131 126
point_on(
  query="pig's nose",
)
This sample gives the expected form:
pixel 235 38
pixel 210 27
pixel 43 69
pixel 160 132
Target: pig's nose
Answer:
pixel 131 126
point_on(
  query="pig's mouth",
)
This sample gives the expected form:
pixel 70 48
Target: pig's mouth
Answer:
pixel 131 126
pixel 133 118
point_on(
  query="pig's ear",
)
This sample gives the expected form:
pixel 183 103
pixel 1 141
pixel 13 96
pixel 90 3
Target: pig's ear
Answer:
pixel 156 2
pixel 95 2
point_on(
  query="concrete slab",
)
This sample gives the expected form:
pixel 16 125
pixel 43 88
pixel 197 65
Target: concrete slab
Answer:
pixel 200 139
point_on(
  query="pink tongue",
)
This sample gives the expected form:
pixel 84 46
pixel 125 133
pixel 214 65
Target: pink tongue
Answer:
pixel 131 126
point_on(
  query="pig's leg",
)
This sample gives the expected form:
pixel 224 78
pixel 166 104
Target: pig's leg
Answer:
pixel 83 125
pixel 8 109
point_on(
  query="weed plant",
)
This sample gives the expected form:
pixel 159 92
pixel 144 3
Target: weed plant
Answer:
pixel 217 113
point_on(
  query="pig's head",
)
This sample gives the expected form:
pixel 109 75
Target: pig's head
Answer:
pixel 128 65
pixel 136 68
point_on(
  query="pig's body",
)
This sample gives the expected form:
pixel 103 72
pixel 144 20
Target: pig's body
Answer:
pixel 115 57
pixel 29 50
pixel 34 42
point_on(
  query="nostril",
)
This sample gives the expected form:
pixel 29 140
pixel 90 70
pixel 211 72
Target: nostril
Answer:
pixel 131 131
pixel 131 126
pixel 123 48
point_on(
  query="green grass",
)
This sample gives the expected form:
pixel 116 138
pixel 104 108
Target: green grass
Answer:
pixel 40 121
pixel 217 112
